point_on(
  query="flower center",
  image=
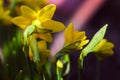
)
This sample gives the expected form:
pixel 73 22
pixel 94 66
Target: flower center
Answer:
pixel 36 23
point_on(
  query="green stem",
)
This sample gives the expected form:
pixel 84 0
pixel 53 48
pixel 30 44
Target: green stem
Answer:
pixel 54 60
pixel 59 73
pixel 60 54
pixel 79 70
pixel 57 56
pixel 64 50
pixel 28 67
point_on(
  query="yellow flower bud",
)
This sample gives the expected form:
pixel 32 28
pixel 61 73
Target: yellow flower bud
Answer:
pixel 59 64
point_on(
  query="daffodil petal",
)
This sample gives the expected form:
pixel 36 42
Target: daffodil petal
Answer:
pixel 21 22
pixel 104 49
pixel 108 52
pixel 103 54
pixel 47 12
pixel 83 43
pixel 45 36
pixel 43 56
pixel 69 34
pixel 108 45
pixel 28 12
pixel 55 26
pixel 42 45
pixel 79 36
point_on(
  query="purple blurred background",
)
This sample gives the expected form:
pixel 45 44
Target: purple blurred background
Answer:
pixel 90 15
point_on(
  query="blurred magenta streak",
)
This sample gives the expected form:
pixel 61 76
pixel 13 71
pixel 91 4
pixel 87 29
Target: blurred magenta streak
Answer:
pixel 58 3
pixel 85 11
pixel 79 15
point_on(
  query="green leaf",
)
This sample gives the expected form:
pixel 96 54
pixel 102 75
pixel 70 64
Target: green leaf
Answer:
pixel 93 43
pixel 66 61
pixel 48 68
pixel 28 31
pixel 34 48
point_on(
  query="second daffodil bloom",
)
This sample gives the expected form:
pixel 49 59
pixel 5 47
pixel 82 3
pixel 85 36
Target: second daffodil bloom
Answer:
pixel 73 38
pixel 41 18
pixel 104 49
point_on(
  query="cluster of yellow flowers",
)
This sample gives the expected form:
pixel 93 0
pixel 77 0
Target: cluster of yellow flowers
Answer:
pixel 37 22
pixel 43 26
pixel 9 7
pixel 42 19
pixel 37 25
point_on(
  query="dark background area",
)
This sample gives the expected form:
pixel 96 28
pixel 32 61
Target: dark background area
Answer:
pixel 109 68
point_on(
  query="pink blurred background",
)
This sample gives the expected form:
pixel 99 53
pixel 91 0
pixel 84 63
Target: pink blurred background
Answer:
pixel 90 16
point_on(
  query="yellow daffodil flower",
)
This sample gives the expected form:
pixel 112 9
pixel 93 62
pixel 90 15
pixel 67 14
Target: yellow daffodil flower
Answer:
pixel 41 18
pixel 4 14
pixel 78 39
pixel 104 49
